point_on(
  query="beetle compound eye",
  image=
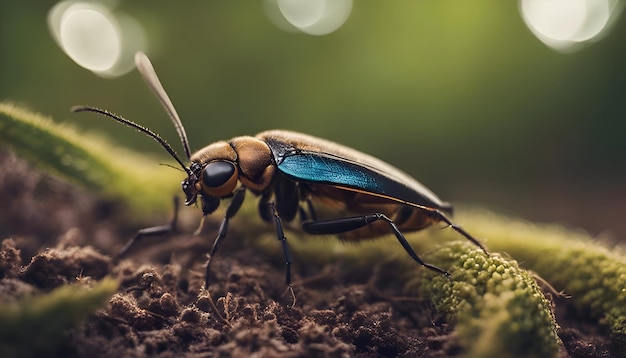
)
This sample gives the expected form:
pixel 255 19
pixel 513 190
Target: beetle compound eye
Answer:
pixel 219 178
pixel 217 174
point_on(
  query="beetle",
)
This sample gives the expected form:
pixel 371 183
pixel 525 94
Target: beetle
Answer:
pixel 293 174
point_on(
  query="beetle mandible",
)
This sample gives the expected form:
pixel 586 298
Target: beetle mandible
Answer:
pixel 291 172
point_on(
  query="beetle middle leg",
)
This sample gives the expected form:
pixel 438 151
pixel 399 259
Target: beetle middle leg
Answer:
pixel 280 234
pixel 151 231
pixel 341 225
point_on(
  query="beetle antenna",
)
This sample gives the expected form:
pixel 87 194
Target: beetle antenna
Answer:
pixel 144 66
pixel 169 165
pixel 138 127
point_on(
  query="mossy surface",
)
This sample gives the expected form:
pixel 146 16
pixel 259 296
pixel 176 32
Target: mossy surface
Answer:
pixel 89 161
pixel 36 325
pixel 593 274
pixel 498 308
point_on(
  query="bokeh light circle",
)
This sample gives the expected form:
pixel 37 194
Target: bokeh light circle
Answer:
pixel 90 38
pixel 96 38
pixel 313 17
pixel 566 25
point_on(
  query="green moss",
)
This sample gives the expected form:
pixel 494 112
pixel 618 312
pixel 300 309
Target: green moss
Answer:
pixel 88 161
pixel 592 273
pixel 36 326
pixel 498 308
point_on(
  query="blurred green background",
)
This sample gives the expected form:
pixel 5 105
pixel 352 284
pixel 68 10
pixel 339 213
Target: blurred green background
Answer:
pixel 460 94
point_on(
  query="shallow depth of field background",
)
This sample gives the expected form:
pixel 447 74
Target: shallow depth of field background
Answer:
pixel 460 94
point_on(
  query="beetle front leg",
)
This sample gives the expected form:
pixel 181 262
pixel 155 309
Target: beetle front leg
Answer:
pixel 151 231
pixel 341 225
pixel 232 209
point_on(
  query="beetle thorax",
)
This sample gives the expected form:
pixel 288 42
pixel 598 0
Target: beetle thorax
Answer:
pixel 255 162
pixel 216 151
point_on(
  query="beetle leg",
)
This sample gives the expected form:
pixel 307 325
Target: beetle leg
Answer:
pixel 307 213
pixel 439 216
pixel 200 227
pixel 151 231
pixel 264 207
pixel 309 205
pixel 232 209
pixel 341 225
pixel 280 234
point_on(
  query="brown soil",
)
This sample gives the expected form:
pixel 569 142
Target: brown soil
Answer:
pixel 161 310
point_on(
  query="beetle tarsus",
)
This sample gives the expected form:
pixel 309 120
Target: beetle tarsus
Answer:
pixel 293 295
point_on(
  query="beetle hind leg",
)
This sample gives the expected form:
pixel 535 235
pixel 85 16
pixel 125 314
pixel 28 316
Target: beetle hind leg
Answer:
pixel 341 225
pixel 439 216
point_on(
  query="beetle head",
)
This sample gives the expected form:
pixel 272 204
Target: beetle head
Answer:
pixel 213 174
pixel 212 181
